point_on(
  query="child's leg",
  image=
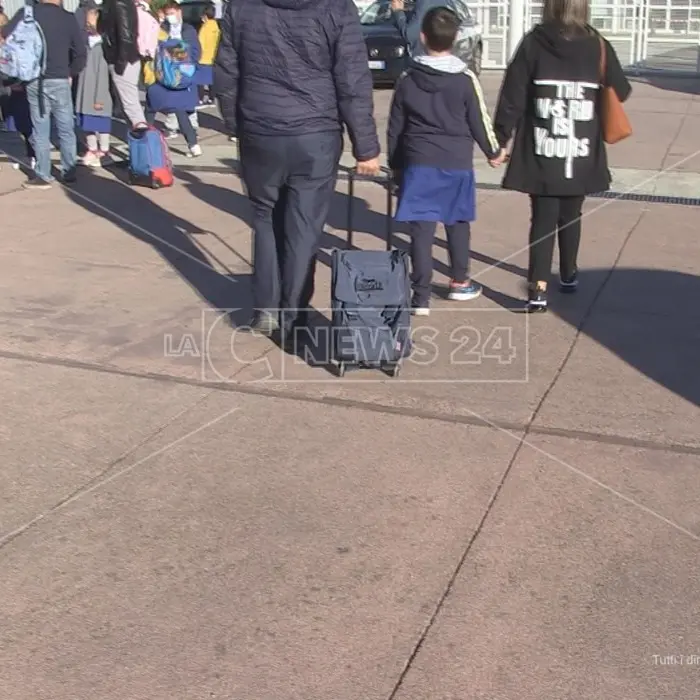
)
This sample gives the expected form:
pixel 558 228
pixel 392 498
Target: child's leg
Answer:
pixel 422 234
pixel 461 289
pixel 202 90
pixel 458 235
pixel 183 121
pixel 28 145
pixel 91 141
pixel 103 143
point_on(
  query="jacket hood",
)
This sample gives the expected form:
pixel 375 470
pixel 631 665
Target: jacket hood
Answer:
pixel 433 73
pixel 551 36
pixel 290 4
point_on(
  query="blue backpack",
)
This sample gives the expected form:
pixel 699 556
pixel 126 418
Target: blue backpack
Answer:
pixel 174 67
pixel 23 54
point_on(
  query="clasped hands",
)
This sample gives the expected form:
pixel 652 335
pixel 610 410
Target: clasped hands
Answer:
pixel 501 158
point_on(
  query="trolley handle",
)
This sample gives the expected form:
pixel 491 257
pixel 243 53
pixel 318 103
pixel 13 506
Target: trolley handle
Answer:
pixel 384 177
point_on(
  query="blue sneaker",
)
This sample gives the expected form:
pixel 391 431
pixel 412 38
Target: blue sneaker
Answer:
pixel 464 291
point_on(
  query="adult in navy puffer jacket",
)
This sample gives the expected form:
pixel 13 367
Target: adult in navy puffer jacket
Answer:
pixel 288 75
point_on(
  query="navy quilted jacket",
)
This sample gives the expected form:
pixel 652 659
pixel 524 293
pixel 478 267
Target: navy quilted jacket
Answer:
pixel 296 67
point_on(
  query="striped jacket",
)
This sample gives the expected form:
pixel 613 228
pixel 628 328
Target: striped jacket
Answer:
pixel 290 67
pixel 437 114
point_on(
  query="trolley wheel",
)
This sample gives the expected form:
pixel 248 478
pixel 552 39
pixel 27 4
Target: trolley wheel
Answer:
pixel 341 369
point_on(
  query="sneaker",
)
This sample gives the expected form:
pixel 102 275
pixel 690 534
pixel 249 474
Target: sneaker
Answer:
pixel 195 151
pixel 171 134
pixel 232 139
pixel 92 159
pixel 36 183
pixel 420 311
pixel 263 323
pixel 536 301
pixel 69 177
pixel 464 291
pixel 570 284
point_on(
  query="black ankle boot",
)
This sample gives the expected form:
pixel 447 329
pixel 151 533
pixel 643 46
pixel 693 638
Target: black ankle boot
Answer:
pixel 536 301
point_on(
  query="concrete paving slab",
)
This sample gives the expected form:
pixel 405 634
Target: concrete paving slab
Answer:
pixel 570 591
pixel 248 561
pixel 633 375
pixel 66 427
pixel 442 376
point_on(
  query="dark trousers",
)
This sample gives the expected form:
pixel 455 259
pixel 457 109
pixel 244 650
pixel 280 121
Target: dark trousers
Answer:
pixel 183 123
pixel 422 236
pixel 554 216
pixel 290 182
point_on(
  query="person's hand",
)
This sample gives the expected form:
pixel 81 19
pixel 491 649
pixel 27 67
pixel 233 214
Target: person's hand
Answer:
pixel 499 159
pixel 369 167
pixel 397 5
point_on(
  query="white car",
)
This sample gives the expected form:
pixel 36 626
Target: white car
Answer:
pixel 362 5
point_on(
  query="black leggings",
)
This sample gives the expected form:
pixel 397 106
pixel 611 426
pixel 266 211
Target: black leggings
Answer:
pixel 554 216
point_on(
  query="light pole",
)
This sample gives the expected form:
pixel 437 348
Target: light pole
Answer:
pixel 516 25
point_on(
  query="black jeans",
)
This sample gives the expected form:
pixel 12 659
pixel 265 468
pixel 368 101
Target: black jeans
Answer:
pixel 183 123
pixel 290 182
pixel 422 235
pixel 554 216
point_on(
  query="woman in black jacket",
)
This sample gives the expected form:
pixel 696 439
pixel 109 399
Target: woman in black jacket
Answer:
pixel 550 97
pixel 119 27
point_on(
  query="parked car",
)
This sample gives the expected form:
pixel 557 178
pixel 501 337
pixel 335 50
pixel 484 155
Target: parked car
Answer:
pixel 362 5
pixel 387 54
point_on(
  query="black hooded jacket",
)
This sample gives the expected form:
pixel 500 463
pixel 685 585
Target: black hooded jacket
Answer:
pixel 550 98
pixel 119 26
pixel 289 67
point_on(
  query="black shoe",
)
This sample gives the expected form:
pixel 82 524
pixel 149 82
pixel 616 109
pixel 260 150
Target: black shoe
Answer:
pixel 69 177
pixel 264 323
pixel 36 183
pixel 536 301
pixel 569 285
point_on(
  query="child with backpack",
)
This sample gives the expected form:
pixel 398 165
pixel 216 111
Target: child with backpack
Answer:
pixel 93 98
pixel 437 114
pixel 209 35
pixel 171 77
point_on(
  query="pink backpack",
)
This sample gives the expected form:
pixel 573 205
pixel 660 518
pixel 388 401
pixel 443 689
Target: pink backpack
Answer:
pixel 148 32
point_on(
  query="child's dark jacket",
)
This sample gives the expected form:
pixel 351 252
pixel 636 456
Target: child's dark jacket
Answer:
pixel 437 114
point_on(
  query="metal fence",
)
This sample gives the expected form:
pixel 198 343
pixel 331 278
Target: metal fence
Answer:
pixel 647 34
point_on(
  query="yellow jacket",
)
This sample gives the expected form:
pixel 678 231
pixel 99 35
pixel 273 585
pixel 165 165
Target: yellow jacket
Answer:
pixel 149 76
pixel 209 34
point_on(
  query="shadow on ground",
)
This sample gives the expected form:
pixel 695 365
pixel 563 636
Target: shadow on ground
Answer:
pixel 178 242
pixel 647 318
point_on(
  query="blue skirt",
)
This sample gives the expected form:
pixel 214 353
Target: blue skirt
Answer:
pixel 204 75
pixel 94 124
pixel 435 194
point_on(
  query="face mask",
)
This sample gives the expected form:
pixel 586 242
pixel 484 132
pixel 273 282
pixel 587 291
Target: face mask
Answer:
pixel 172 20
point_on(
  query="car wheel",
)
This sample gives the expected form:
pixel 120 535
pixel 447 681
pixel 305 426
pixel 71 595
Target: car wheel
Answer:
pixel 475 60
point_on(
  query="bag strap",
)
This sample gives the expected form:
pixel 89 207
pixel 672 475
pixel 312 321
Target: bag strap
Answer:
pixel 603 67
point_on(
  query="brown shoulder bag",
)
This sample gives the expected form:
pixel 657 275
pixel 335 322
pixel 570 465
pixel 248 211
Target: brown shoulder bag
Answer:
pixel 614 122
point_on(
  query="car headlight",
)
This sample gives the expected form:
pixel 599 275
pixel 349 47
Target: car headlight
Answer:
pixel 399 51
